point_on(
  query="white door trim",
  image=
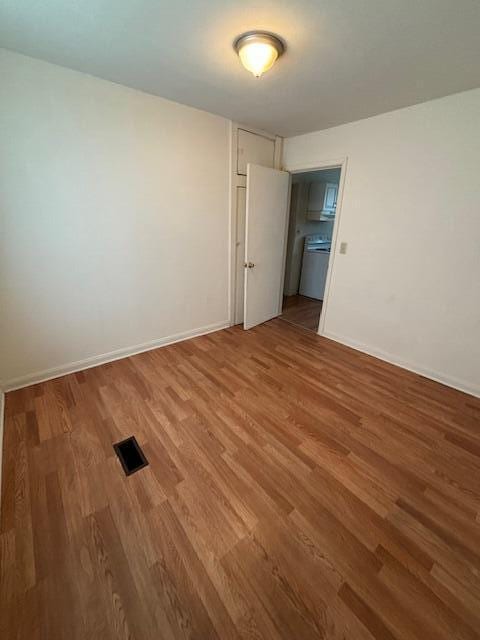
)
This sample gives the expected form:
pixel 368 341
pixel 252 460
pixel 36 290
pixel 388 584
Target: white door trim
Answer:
pixel 340 163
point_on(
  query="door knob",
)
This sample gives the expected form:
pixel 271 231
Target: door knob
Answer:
pixel 249 265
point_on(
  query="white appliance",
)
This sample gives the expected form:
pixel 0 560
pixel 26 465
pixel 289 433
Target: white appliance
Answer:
pixel 316 255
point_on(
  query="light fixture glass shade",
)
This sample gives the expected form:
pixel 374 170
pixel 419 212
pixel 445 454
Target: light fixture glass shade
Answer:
pixel 258 57
pixel 258 51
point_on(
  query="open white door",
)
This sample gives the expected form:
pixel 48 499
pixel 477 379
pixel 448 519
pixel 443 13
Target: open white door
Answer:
pixel 266 224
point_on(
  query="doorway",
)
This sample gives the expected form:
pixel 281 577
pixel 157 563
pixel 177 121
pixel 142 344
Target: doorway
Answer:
pixel 248 146
pixel 263 268
pixel 313 209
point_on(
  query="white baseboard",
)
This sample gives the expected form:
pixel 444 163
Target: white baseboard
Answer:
pixel 95 361
pixel 460 385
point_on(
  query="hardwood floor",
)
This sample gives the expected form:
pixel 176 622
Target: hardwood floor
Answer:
pixel 302 311
pixel 296 489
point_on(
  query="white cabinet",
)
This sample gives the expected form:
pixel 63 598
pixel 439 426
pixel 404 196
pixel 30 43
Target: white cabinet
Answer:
pixel 255 149
pixel 322 200
pixel 330 202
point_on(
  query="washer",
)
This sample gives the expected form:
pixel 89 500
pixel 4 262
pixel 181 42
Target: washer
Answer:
pixel 316 255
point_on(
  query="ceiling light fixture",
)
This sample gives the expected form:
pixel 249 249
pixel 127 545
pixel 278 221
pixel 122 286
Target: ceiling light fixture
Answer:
pixel 258 50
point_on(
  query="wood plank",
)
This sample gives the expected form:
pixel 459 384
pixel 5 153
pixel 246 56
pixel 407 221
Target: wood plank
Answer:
pixel 296 488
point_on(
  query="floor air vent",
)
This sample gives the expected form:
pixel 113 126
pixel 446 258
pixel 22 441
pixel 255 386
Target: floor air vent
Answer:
pixel 130 455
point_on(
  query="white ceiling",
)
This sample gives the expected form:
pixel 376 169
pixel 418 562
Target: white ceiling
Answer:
pixel 346 59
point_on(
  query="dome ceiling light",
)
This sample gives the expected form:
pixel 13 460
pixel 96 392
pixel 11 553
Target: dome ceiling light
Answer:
pixel 258 50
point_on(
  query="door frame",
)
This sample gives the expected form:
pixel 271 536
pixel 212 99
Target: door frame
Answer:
pixel 237 180
pixel 336 163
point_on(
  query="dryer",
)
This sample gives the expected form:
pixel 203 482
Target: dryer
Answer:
pixel 316 255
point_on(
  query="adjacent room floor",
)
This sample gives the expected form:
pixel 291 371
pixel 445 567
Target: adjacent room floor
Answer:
pixel 302 311
pixel 296 489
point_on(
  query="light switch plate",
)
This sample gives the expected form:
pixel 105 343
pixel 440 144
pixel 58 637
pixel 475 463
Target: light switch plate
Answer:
pixel 343 247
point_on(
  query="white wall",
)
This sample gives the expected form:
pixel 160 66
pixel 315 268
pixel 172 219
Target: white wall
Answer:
pixel 114 218
pixel 408 288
